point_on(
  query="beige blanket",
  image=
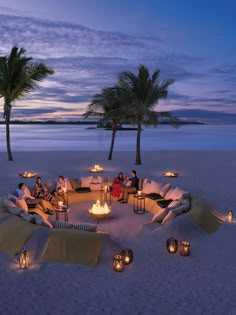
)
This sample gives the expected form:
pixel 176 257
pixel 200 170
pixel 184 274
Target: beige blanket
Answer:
pixel 206 215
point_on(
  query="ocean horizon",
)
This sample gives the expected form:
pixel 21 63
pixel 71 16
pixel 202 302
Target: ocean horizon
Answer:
pixel 89 138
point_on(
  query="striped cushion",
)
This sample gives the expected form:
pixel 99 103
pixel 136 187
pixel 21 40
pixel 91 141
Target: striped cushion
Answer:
pixel 61 224
pixel 86 227
pixel 42 221
pixel 11 207
pixel 27 216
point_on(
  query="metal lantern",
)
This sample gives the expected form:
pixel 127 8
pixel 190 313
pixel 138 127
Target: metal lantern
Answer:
pixel 230 216
pixel 24 259
pixel 127 255
pixel 185 248
pixel 118 262
pixel 172 245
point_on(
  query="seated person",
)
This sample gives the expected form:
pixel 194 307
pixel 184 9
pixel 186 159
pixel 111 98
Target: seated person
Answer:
pixel 41 191
pixel 61 189
pixel 117 185
pixel 132 188
pixel 23 193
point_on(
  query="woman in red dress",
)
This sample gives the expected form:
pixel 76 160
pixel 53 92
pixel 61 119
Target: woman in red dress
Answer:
pixel 117 185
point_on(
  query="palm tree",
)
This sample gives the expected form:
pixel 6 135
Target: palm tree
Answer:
pixel 144 93
pixel 18 77
pixel 109 102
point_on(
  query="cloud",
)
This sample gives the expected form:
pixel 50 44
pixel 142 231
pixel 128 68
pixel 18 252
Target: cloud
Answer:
pixel 86 60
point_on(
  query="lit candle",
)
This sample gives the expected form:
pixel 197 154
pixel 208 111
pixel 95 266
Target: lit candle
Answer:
pixel 172 245
pixel 139 192
pixel 230 216
pixel 60 204
pixel 118 263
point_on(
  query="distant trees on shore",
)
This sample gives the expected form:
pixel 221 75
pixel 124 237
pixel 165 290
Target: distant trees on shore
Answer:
pixel 18 77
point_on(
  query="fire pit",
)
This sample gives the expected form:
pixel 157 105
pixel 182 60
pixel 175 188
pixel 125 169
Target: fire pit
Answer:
pixel 96 168
pixel 27 174
pixel 170 174
pixel 99 212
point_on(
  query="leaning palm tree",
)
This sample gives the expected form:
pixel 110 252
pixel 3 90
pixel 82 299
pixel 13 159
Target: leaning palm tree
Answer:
pixel 144 93
pixel 18 77
pixel 110 108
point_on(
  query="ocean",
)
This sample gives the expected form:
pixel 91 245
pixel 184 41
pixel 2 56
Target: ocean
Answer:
pixel 89 138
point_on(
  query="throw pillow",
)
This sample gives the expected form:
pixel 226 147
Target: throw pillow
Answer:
pixel 86 227
pixel 27 216
pixel 97 180
pixel 21 203
pixel 11 207
pixel 42 221
pixel 95 186
pixel 51 186
pixel 85 181
pixel 159 216
pixel 156 187
pixel 146 187
pixel 164 189
pixel 68 184
pixel 75 183
pixel 170 216
pixel 174 204
pixel 171 194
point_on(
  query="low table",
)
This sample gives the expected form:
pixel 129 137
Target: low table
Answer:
pixel 139 204
pixel 64 210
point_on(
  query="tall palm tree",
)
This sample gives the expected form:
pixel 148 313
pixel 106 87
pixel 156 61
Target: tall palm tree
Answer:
pixel 18 77
pixel 144 92
pixel 110 108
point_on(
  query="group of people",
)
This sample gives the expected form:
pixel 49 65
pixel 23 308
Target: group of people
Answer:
pixel 41 192
pixel 122 186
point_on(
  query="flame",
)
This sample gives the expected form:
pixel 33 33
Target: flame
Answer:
pixel 97 208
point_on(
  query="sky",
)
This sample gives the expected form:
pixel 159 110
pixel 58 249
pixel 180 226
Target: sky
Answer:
pixel 88 43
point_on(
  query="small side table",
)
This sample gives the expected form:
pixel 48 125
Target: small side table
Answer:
pixel 64 210
pixel 105 194
pixel 139 204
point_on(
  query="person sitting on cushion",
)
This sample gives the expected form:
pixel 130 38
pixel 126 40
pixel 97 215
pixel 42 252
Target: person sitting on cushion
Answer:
pixel 117 185
pixel 132 188
pixel 41 191
pixel 61 189
pixel 22 192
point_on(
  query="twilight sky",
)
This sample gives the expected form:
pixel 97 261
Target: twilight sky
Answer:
pixel 89 42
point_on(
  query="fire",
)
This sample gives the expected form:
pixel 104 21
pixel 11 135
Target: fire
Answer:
pixel 97 208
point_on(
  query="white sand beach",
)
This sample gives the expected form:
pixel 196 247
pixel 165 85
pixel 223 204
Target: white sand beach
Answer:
pixel 156 282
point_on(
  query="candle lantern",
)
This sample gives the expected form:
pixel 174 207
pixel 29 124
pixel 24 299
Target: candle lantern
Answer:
pixel 118 263
pixel 172 245
pixel 24 259
pixel 139 192
pixel 230 216
pixel 185 248
pixel 127 255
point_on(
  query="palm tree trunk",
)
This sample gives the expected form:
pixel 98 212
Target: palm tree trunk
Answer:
pixel 7 114
pixel 112 143
pixel 138 154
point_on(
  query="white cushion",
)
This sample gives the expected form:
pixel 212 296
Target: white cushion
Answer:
pixel 11 207
pixel 86 181
pixel 68 184
pixel 51 186
pixel 164 189
pixel 170 194
pixel 170 216
pixel 156 187
pixel 174 204
pixel 97 180
pixel 146 187
pixel 27 191
pixel 159 216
